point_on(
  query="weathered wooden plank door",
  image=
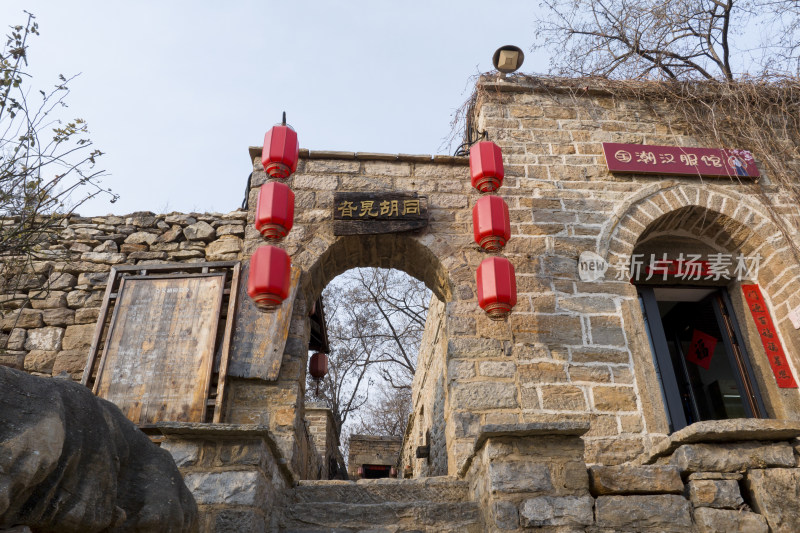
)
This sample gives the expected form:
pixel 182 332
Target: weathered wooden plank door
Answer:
pixel 160 348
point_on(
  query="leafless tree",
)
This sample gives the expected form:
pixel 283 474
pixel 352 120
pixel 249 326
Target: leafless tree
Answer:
pixel 375 319
pixel 47 164
pixel 670 39
pixel 386 415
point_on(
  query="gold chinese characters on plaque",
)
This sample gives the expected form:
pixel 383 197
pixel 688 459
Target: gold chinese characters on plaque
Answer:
pixel 364 213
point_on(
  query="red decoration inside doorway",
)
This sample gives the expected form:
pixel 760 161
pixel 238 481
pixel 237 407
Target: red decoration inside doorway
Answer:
pixel 701 349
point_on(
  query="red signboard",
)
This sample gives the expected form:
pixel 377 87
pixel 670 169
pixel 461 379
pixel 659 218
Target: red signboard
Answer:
pixel 679 160
pixel 701 349
pixel 769 337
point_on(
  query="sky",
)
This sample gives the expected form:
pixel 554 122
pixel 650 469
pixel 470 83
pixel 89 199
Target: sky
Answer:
pixel 174 92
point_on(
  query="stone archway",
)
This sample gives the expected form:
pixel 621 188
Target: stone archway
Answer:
pixel 727 222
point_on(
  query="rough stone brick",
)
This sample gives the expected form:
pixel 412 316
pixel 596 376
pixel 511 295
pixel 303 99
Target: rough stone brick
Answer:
pixel 710 520
pixel 614 398
pixel 78 337
pixel 629 479
pixel 484 395
pixel 735 457
pixel 774 493
pixel 518 476
pixel 663 512
pixel 542 372
pixel 23 318
pixel 563 398
pixel 227 487
pixel 47 339
pixel 557 511
pixel 721 494
pixel 497 369
pixel 40 361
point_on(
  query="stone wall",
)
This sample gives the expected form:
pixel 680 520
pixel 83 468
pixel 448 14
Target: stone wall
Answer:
pixel 372 450
pixel 426 424
pixel 715 477
pixel 324 434
pixel 48 328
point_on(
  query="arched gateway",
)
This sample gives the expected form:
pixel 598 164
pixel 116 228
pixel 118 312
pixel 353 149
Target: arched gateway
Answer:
pixel 645 341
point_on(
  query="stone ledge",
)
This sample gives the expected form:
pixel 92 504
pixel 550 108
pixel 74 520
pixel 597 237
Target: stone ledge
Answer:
pixel 575 425
pixel 202 430
pixel 739 429
pixel 305 153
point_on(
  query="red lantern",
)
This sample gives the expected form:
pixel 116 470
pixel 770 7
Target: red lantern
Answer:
pixel 270 276
pixel 318 366
pixel 280 152
pixel 274 210
pixel 486 166
pixel 490 223
pixel 497 287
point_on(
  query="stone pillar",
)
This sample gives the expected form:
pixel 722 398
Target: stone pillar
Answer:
pixel 234 472
pixel 531 475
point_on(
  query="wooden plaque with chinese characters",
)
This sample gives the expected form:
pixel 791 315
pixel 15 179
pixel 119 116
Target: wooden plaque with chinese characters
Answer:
pixel 679 160
pixel 160 347
pixel 368 213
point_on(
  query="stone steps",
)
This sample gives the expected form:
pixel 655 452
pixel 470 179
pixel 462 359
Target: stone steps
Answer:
pixel 438 504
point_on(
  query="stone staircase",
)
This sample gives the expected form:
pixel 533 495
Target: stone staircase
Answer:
pixel 429 505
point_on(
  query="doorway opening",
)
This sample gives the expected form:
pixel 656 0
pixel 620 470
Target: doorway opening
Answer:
pixel 700 357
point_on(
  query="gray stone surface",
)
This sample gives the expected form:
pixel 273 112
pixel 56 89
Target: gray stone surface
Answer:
pixel 519 476
pixel 71 462
pixel 775 493
pixel 557 511
pixel 739 429
pixel 47 339
pixel 199 231
pixel 663 512
pixel 239 521
pixel 710 520
pixel 733 457
pixel 629 479
pixel 505 515
pixel 721 494
pixel 232 487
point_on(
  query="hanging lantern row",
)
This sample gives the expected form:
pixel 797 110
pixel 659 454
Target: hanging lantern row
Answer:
pixel 270 267
pixel 491 225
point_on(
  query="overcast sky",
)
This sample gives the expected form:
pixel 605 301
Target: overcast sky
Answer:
pixel 175 91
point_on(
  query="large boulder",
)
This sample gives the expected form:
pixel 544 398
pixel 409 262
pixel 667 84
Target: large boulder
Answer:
pixel 72 462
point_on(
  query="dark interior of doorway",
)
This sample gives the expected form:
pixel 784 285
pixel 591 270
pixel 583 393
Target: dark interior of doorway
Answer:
pixel 701 360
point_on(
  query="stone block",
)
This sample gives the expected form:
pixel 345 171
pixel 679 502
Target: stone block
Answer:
pixel 184 452
pixel 141 237
pixel 239 520
pixel 47 338
pixel 710 520
pixel 87 315
pixel 518 476
pixel 93 279
pixel 734 457
pixel 230 487
pixel 614 398
pixel 23 318
pixel 542 372
pixel 59 317
pixel 563 398
pixel 13 360
pixel 548 329
pixel 78 337
pixel 60 281
pixel 16 339
pixel 484 395
pixel 662 512
pixel 50 300
pixel 199 231
pixel 103 257
pixel 70 361
pixel 40 361
pixel 775 493
pixel 223 248
pixel 629 479
pixel 505 515
pixel 720 494
pixel 557 511
pixel 497 369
